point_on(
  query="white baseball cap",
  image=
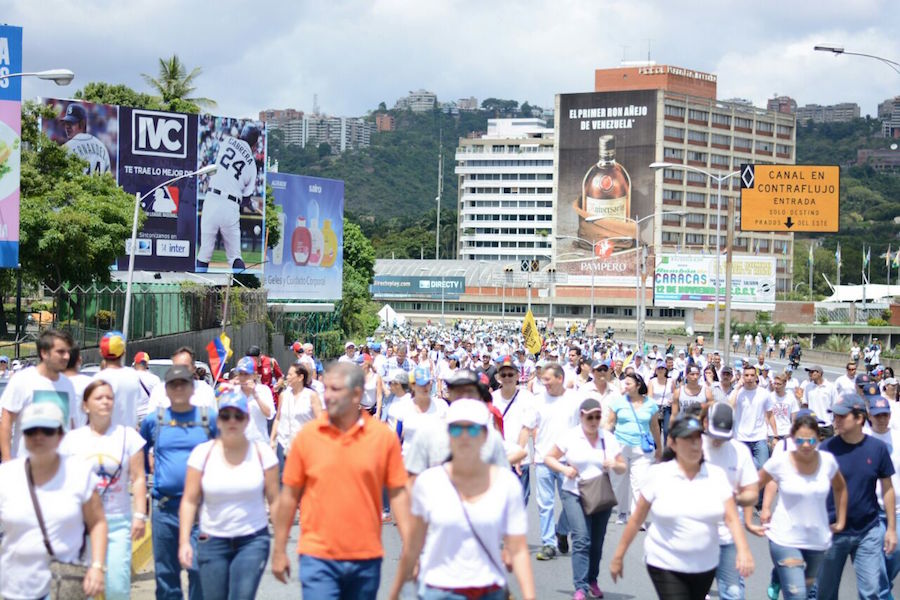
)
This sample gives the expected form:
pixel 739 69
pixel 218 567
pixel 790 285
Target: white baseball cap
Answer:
pixel 42 414
pixel 468 411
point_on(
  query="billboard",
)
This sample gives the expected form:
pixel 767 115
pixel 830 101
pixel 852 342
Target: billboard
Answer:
pixel 10 144
pixel 307 263
pixel 690 281
pixel 430 287
pixel 605 144
pixel 213 223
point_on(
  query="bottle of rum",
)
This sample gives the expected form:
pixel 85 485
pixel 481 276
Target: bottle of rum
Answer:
pixel 606 189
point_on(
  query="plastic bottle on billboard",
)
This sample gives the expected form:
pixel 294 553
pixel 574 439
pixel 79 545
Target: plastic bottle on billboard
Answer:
pixel 317 243
pixel 330 244
pixel 278 250
pixel 606 188
pixel 301 242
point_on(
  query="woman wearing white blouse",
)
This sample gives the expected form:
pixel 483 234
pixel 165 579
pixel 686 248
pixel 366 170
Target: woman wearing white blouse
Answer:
pixel 298 405
pixel 467 509
pixel 234 478
pixel 114 454
pixel 589 451
pixel 686 499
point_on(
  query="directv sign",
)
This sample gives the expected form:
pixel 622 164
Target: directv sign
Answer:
pixel 399 286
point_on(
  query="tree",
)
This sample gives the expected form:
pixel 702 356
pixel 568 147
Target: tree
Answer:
pixel 358 312
pixel 324 149
pixel 106 93
pixel 499 106
pixel 382 106
pixel 72 226
pixel 525 110
pixel 175 85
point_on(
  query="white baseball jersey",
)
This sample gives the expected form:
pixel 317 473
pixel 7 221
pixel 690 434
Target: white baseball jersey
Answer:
pixel 236 175
pixel 89 148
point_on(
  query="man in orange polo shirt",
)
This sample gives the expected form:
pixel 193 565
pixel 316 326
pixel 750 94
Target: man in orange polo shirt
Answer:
pixel 336 469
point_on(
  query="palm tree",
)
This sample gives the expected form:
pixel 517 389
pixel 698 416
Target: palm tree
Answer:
pixel 173 82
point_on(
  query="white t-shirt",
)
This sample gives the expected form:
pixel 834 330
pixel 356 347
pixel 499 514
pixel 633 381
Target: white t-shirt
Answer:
pixel 585 457
pixel 735 459
pixel 589 390
pixel 149 381
pixel 126 385
pixel 892 440
pixel 750 408
pixel 296 411
pixel 819 399
pixel 452 558
pixel 520 413
pixel 233 496
pixel 413 418
pixel 258 428
pixel 679 539
pixel 203 395
pixel 80 381
pixel 555 415
pixel 844 385
pixel 28 386
pixel 104 453
pixel 24 561
pixel 800 517
pixel 782 409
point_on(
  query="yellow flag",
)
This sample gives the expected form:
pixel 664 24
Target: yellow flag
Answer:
pixel 532 337
pixel 226 343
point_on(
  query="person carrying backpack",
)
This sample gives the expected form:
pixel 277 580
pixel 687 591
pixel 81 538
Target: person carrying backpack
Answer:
pixel 171 434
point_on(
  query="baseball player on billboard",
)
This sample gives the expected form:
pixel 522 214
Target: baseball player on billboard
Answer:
pixel 83 144
pixel 230 187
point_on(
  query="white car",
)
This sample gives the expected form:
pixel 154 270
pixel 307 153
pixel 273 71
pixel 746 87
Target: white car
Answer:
pixel 159 366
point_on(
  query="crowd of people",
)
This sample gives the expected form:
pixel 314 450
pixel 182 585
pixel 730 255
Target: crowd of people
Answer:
pixel 442 433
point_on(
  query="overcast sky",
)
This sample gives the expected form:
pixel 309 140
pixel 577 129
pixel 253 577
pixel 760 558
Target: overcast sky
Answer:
pixel 357 53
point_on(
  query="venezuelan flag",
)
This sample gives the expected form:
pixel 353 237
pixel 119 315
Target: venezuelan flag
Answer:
pixel 219 350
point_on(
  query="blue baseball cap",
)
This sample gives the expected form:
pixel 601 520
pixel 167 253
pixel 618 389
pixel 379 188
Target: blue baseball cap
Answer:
pixel 848 403
pixel 246 365
pixel 421 376
pixel 879 406
pixel 233 399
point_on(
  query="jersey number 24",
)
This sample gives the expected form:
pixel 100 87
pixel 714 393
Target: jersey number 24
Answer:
pixel 229 163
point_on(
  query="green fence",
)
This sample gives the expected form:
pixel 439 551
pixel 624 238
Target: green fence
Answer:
pixel 322 329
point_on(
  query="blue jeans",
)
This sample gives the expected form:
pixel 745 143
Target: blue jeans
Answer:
pixel 165 554
pixel 891 563
pixel 279 453
pixel 231 568
pixel 728 581
pixel 436 594
pixel 339 579
pixel 588 533
pixel 525 479
pixel 549 482
pixel 867 553
pixel 666 416
pixel 760 452
pixel 797 582
pixel 118 558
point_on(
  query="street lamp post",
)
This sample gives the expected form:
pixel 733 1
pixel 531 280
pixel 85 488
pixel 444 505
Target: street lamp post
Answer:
pixel 134 222
pixel 718 179
pixel 840 50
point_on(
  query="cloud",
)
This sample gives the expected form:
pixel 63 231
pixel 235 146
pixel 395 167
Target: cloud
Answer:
pixel 356 53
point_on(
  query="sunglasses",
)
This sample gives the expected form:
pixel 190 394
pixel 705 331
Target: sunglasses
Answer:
pixel 232 414
pixel 456 430
pixel 591 417
pixel 177 383
pixel 813 442
pixel 45 431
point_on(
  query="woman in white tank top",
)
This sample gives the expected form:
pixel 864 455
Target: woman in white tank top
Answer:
pixel 373 388
pixel 661 388
pixel 297 405
pixel 691 395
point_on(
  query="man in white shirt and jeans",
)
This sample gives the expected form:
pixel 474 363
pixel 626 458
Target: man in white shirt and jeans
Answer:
pixel 819 396
pixel 516 405
pixel 557 412
pixel 752 410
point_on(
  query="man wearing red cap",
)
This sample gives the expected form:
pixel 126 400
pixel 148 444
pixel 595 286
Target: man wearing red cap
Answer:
pixel 125 381
pixel 148 380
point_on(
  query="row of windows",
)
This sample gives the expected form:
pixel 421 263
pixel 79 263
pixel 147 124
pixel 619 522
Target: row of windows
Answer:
pixel 507 163
pixel 539 310
pixel 509 190
pixel 509 204
pixel 741 243
pixel 509 177
pixel 496 244
pixel 503 230
pixel 695 114
pixel 716 139
pixel 516 217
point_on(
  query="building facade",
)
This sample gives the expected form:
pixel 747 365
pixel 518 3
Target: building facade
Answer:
pixel 341 133
pixel 889 113
pixel 506 192
pixel 833 113
pixel 417 101
pixel 782 104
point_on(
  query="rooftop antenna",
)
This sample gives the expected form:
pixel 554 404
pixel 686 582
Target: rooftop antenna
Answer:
pixel 315 104
pixel 648 48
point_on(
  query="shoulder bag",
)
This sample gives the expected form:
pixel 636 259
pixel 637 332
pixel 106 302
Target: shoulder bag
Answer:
pixel 597 492
pixel 647 443
pixel 66 579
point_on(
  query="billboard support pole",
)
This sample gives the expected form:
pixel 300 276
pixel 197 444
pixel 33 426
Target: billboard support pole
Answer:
pixel 134 223
pixel 639 343
pixel 729 250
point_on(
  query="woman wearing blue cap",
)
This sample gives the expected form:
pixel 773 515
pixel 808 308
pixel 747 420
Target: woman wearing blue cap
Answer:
pixel 229 479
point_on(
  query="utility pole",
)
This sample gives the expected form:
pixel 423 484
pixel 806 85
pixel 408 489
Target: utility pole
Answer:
pixel 440 188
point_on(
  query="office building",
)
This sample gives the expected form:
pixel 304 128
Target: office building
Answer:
pixel 889 113
pixel 506 192
pixel 782 104
pixel 832 113
pixel 384 122
pixel 467 104
pixel 341 133
pixel 418 101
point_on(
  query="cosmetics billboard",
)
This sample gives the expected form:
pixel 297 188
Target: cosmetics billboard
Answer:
pixel 605 144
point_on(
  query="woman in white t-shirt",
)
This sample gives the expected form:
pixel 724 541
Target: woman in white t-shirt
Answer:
pixel 298 405
pixel 66 493
pixel 799 532
pixel 373 389
pixel 686 499
pixel 462 512
pixel 413 413
pixel 589 451
pixel 229 479
pixel 114 454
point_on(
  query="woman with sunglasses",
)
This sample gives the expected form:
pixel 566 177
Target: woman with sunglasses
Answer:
pixel 589 451
pixel 799 532
pixel 65 490
pixel 661 388
pixel 298 405
pixel 115 455
pixel 466 509
pixel 686 499
pixel 632 418
pixel 229 479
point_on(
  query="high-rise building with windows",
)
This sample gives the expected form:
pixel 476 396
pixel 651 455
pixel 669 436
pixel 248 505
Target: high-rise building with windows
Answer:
pixel 832 113
pixel 506 192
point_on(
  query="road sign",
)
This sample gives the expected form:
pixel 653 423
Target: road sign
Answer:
pixel 790 198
